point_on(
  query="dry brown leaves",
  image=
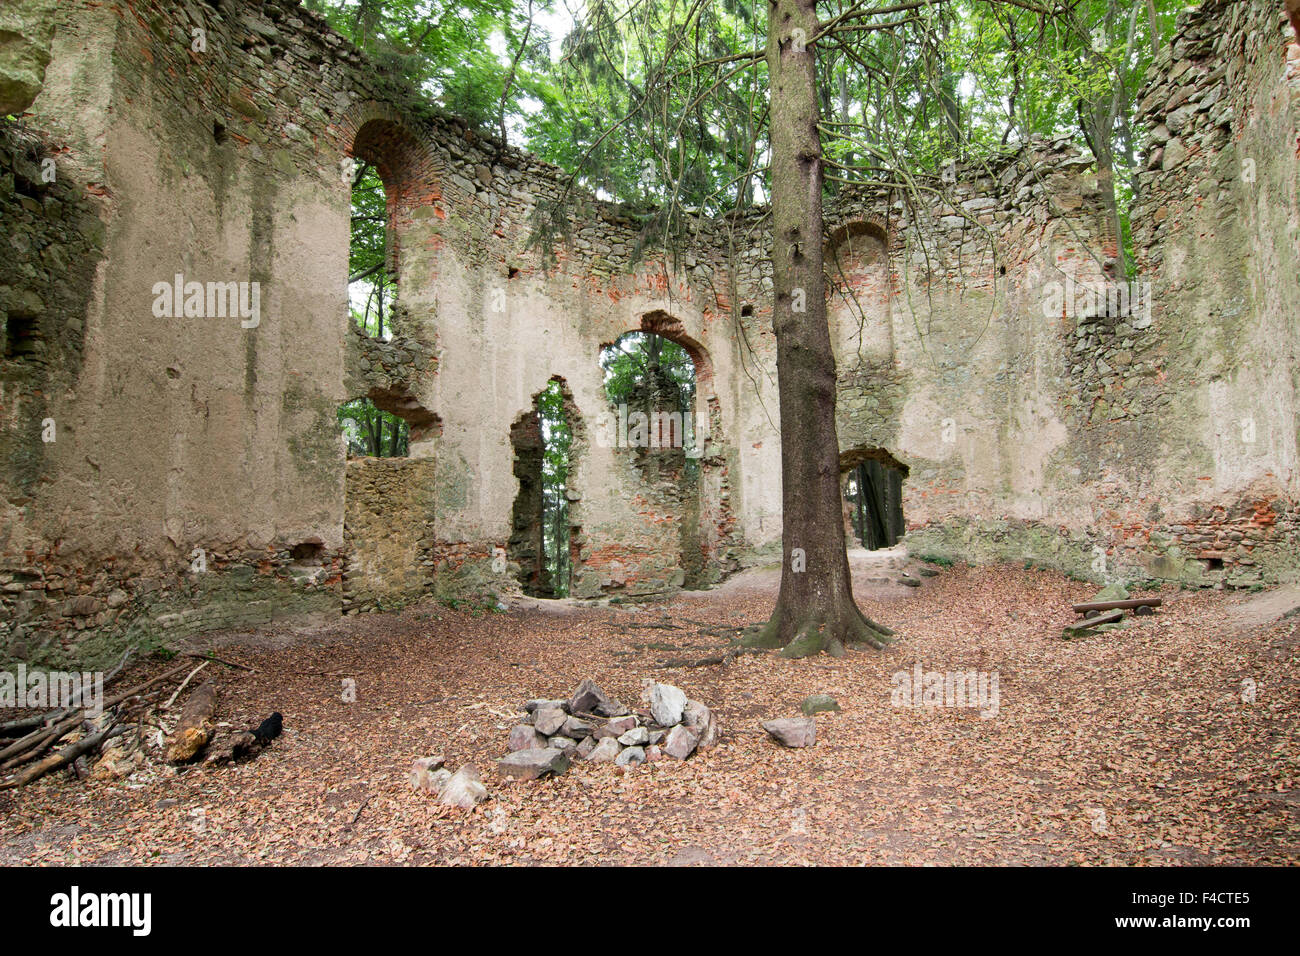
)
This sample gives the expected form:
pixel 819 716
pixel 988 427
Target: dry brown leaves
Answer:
pixel 1131 747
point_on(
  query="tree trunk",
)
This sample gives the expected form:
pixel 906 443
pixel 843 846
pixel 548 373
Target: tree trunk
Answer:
pixel 197 724
pixel 815 609
pixel 1293 8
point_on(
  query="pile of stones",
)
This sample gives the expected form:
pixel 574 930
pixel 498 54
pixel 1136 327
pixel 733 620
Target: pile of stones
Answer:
pixel 594 727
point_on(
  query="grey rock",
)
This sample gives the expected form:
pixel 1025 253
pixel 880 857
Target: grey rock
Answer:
pixel 606 750
pixel 586 746
pixel 531 705
pixel 590 699
pixel 635 737
pixel 524 737
pixel 577 728
pixel 548 719
pixel 438 779
pixel 667 703
pixel 611 708
pixel 681 742
pixel 1175 155
pixel 621 725
pixel 531 764
pixel 464 788
pixel 630 757
pixel 793 731
pixel 700 719
pixel 567 744
pixel 421 767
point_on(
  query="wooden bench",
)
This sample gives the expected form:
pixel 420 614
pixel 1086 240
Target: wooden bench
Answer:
pixel 1137 606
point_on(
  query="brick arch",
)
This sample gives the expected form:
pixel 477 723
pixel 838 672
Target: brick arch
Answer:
pixel 861 226
pixel 670 327
pixel 870 227
pixel 406 162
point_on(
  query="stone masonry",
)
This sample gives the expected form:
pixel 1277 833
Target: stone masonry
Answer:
pixel 165 475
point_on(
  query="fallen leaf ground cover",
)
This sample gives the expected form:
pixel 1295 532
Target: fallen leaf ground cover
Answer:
pixel 1128 747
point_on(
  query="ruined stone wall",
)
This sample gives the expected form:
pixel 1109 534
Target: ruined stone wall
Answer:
pixel 946 359
pixel 1049 413
pixel 193 454
pixel 502 322
pixel 1218 230
pixel 196 454
pixel 389 532
pixel 198 458
pixel 1168 446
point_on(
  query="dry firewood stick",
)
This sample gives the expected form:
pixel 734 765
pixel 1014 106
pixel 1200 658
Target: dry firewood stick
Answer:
pixel 63 757
pixel 38 747
pixel 171 700
pixel 214 657
pixel 74 703
pixel 68 723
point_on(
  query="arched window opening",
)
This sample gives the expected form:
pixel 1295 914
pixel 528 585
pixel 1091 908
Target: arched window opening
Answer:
pixel 541 535
pixel 650 380
pixel 372 288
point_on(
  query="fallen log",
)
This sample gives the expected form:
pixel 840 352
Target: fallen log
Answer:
pixel 194 732
pixel 1090 606
pixel 1088 623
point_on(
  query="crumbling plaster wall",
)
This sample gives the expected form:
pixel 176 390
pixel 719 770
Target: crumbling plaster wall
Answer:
pixel 503 327
pixel 1104 441
pixel 194 454
pixel 1095 443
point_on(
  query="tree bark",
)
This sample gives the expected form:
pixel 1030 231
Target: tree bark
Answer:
pixel 197 724
pixel 1293 9
pixel 815 610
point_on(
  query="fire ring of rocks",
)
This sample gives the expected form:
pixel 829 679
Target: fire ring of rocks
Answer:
pixel 594 727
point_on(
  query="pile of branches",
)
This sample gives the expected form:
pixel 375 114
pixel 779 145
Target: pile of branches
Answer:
pixel 32 747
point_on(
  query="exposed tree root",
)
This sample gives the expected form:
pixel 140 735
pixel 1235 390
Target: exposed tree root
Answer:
pixel 814 633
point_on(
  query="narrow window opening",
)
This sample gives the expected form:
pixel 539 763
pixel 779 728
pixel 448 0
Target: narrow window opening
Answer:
pixel 22 336
pixel 372 288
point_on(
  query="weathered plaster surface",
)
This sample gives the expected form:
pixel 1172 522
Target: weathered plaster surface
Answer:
pixel 197 460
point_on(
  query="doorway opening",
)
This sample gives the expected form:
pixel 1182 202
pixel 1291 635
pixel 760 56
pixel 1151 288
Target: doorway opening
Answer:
pixel 873 496
pixel 542 536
